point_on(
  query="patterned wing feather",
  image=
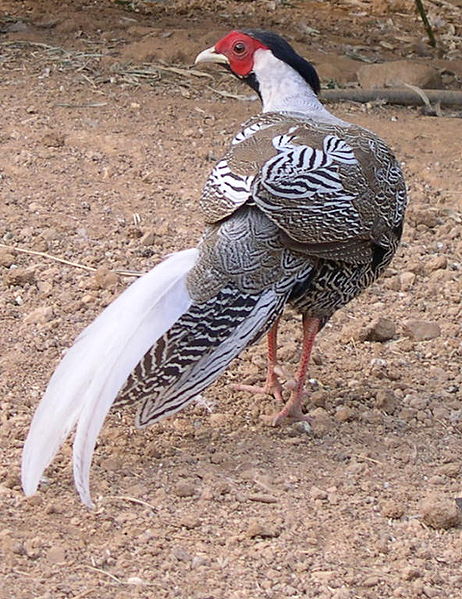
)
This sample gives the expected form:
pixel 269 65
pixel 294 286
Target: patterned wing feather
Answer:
pixel 335 189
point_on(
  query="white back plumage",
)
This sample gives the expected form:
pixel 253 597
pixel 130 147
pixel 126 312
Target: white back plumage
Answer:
pixel 91 374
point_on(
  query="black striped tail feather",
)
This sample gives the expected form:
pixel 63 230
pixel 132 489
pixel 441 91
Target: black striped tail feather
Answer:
pixel 192 354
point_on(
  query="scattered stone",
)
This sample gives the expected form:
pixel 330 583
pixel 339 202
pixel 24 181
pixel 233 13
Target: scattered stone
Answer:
pixel 148 238
pixel 190 521
pixel 134 232
pixel 386 401
pixel 135 580
pixel 111 464
pixel 451 469
pixel 45 287
pixel 436 263
pixel 53 140
pixel 54 508
pixel 20 276
pixel 407 280
pixel 56 554
pixel 6 258
pixel 218 420
pixel 392 509
pixel 262 498
pixel 342 594
pixel 421 330
pixel 262 529
pixel 104 279
pixel 39 315
pixel 371 581
pixel 397 73
pixel 427 217
pixel 33 547
pixel 322 422
pixel 382 329
pixel 440 512
pixel 411 573
pixel 181 554
pixel 343 414
pixel 185 489
pixel 317 493
pixel 318 399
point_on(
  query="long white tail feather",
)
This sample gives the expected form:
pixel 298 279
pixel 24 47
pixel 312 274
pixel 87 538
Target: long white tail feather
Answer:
pixel 91 374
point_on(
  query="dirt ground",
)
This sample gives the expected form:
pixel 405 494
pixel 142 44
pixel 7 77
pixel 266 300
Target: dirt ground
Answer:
pixel 103 154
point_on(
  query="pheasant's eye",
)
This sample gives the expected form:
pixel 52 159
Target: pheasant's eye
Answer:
pixel 239 48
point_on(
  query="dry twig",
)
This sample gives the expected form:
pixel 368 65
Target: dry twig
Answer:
pixel 123 273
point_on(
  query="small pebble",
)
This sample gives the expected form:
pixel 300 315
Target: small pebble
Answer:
pixel 184 489
pixel 262 529
pixel 440 512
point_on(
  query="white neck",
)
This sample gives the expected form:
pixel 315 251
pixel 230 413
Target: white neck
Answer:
pixel 282 89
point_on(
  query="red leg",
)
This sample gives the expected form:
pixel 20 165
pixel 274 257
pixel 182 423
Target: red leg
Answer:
pixel 293 408
pixel 272 384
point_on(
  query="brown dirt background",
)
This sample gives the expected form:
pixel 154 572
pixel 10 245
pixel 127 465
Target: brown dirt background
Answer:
pixel 103 165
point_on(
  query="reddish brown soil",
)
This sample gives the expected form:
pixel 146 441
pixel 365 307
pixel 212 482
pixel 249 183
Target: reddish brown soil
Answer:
pixel 103 166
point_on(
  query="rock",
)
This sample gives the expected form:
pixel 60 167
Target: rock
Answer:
pixel 20 276
pixel 322 422
pixel 39 315
pixel 427 217
pixel 371 581
pixel 6 258
pixel 421 330
pixel 190 521
pixel 318 399
pixel 383 329
pixel 148 238
pixel 317 493
pixel 410 573
pixel 33 547
pixel 440 512
pixel 111 464
pixel 407 280
pixel 398 73
pixel 386 401
pixel 53 140
pixel 451 469
pixel 56 554
pixel 436 263
pixel 258 528
pixel 185 489
pixel 343 414
pixel 392 509
pixel 104 279
pixel 181 554
pixel 342 594
pixel 218 420
pixel 135 580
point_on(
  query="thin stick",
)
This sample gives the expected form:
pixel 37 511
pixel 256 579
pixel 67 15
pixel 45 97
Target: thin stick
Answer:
pixel 86 105
pixel 132 500
pixel 226 94
pixel 158 67
pixel 106 573
pixel 426 22
pixel 123 273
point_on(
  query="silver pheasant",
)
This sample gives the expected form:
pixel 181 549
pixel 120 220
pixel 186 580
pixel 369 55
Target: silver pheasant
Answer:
pixel 304 209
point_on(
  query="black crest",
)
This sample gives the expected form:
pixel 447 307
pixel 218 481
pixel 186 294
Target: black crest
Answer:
pixel 284 51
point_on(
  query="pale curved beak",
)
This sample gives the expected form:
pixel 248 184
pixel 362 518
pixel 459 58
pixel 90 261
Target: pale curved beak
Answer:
pixel 210 55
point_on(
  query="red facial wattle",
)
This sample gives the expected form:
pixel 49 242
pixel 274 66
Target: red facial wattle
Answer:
pixel 239 49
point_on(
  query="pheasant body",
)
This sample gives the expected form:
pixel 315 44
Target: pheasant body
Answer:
pixel 304 209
